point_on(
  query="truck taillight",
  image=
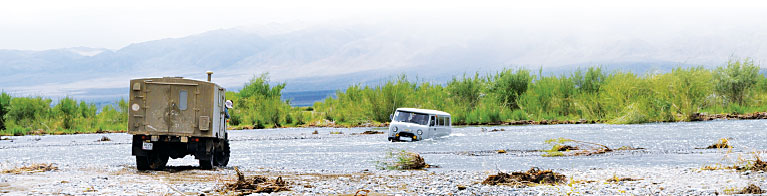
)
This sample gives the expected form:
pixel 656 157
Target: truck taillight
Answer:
pixel 143 137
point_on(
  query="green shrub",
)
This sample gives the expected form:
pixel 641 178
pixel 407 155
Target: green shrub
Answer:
pixel 509 85
pixel 29 112
pixel 5 104
pixel 259 104
pixel 734 81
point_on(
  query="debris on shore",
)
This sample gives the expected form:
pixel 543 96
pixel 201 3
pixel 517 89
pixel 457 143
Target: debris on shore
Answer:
pixel 708 117
pixel 529 177
pixel 256 184
pixel 570 147
pixel 616 179
pixel 566 148
pixel 315 132
pixel 722 143
pixel 33 168
pixel 403 160
pixel 752 189
pixel 756 165
pixel 628 148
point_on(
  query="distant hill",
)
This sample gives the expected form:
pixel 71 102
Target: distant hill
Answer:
pixel 329 57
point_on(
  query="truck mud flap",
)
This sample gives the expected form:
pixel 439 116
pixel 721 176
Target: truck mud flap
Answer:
pixel 136 146
pixel 204 149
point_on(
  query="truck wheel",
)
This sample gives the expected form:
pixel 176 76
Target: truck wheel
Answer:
pixel 157 161
pixel 142 163
pixel 207 163
pixel 222 155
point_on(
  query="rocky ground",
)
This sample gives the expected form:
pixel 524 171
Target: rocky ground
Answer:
pixel 191 181
pixel 675 161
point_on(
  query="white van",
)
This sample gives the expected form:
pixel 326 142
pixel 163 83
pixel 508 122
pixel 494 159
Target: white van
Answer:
pixel 410 124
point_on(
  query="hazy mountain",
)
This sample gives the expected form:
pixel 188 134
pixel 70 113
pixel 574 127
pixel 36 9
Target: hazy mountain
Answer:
pixel 328 57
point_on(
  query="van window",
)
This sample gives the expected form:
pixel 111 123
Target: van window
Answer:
pixel 410 117
pixel 182 100
pixel 433 121
pixel 445 121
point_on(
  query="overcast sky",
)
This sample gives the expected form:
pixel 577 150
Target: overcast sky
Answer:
pixel 49 24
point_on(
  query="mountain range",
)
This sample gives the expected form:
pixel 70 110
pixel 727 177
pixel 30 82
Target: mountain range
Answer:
pixel 330 57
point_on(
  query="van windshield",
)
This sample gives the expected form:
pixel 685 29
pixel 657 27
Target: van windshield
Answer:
pixel 410 117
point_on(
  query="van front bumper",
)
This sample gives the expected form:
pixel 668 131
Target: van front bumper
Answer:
pixel 403 136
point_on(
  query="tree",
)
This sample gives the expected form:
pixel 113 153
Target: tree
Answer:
pixel 5 104
pixel 68 110
pixel 734 81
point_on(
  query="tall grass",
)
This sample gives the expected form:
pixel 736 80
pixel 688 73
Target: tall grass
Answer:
pixel 22 115
pixel 590 94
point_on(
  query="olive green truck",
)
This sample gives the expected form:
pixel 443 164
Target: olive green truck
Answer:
pixel 172 117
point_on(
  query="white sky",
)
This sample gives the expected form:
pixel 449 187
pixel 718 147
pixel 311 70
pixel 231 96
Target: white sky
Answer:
pixel 49 24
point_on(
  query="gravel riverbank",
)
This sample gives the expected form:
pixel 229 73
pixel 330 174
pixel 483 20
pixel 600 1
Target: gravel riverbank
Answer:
pixel 190 181
pixel 341 164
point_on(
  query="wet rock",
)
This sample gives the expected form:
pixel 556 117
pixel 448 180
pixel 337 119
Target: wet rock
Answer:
pixel 566 148
pixel 371 132
pixel 104 139
pixel 722 143
pixel 751 189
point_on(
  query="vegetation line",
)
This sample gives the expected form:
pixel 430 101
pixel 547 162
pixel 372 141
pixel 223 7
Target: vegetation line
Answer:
pixel 511 96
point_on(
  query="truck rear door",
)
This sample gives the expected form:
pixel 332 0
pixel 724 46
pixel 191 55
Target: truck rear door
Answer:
pixel 183 108
pixel 157 110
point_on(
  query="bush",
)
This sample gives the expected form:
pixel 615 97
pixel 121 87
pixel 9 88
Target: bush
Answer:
pixel 5 104
pixel 735 80
pixel 29 113
pixel 508 86
pixel 259 104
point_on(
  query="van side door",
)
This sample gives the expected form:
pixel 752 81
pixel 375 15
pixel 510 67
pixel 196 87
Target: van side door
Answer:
pixel 433 131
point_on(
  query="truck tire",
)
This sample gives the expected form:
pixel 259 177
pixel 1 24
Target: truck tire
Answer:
pixel 142 163
pixel 221 156
pixel 207 162
pixel 157 161
pixel 153 161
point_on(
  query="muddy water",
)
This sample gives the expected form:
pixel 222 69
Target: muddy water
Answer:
pixel 467 148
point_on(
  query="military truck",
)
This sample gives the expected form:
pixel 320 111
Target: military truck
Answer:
pixel 172 117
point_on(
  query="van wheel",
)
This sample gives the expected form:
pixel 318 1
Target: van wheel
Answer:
pixel 222 156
